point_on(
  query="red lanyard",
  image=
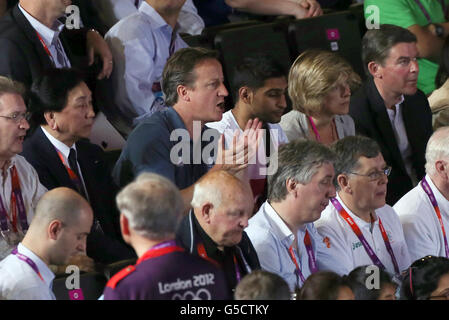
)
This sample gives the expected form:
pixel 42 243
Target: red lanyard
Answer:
pixel 315 130
pixel 434 202
pixel 160 249
pixel 362 239
pixel 202 253
pixel 45 48
pixel 17 203
pixel 312 261
pixel 73 176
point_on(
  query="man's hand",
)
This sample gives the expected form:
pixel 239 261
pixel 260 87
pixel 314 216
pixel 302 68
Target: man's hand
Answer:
pixel 312 7
pixel 242 149
pixel 96 45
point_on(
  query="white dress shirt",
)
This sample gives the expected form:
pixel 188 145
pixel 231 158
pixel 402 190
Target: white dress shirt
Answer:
pixel 19 281
pixel 343 251
pixel 111 11
pixel 32 191
pixel 422 229
pixel 397 123
pixel 50 37
pixel 140 46
pixel 272 239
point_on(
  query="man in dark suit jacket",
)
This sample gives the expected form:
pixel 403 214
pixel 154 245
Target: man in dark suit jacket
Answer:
pixel 390 109
pixel 24 56
pixel 60 130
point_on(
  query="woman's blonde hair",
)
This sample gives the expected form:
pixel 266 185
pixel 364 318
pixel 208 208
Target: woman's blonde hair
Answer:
pixel 313 75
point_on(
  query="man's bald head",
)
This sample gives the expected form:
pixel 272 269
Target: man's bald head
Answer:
pixel 217 188
pixel 61 204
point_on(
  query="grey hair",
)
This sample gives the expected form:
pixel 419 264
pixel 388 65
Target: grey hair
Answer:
pixel 437 149
pixel 298 160
pixel 349 150
pixel 8 85
pixel 152 204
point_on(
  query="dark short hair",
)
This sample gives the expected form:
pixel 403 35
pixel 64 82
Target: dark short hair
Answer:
pixel 323 285
pixel 376 43
pixel 349 150
pixel 254 70
pixel 50 92
pixel 422 277
pixel 180 70
pixel 262 285
pixel 357 281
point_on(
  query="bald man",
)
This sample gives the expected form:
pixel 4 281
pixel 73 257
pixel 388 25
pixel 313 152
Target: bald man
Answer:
pixel 222 205
pixel 57 233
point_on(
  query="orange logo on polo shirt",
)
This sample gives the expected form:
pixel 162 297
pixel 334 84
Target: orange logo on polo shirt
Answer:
pixel 327 241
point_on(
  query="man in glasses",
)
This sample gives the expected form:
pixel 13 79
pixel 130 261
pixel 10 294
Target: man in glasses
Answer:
pixel 20 188
pixel 424 211
pixel 358 227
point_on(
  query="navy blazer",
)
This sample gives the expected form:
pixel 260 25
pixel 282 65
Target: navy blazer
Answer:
pixel 41 154
pixel 368 110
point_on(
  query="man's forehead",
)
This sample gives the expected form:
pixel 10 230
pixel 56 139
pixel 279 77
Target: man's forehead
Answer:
pixel 403 49
pixel 11 101
pixel 279 83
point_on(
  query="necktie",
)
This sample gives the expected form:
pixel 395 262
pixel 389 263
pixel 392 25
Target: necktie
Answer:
pixel 60 54
pixel 136 3
pixel 74 166
pixel 171 48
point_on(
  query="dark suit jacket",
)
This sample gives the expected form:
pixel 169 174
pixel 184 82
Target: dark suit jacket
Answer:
pixel 42 155
pixel 368 110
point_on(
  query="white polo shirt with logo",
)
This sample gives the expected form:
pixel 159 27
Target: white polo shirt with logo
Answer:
pixel 343 252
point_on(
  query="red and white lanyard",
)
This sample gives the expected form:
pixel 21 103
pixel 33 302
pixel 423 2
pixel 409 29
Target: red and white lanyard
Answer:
pixel 312 261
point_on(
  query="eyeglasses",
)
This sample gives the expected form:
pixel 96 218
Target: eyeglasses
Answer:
pixel 18 116
pixel 376 175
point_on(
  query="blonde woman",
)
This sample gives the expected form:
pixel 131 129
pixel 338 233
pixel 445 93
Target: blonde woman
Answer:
pixel 319 85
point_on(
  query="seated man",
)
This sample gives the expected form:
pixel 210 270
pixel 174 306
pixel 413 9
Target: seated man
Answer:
pixel 358 228
pixel 112 11
pixel 214 227
pixel 389 109
pixel 58 232
pixel 141 44
pixel 62 117
pixel 32 39
pixel 262 285
pixel 260 85
pixel 151 208
pixel 19 181
pixel 174 142
pixel 282 232
pixel 424 211
pixel 429 21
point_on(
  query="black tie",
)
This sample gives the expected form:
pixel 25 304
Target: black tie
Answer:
pixel 74 166
pixel 136 3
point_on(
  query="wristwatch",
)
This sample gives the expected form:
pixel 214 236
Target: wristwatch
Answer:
pixel 439 30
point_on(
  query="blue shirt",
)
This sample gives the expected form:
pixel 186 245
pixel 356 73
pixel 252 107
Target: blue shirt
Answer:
pixel 272 239
pixel 149 149
pixel 140 47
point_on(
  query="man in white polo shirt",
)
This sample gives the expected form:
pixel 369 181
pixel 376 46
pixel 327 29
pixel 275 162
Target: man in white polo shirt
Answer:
pixel 424 210
pixel 282 231
pixel 58 231
pixel 358 228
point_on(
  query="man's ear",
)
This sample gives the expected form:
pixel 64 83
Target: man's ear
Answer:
pixel 124 225
pixel 54 229
pixel 440 166
pixel 343 182
pixel 183 93
pixel 291 186
pixel 246 95
pixel 374 69
pixel 206 211
pixel 51 120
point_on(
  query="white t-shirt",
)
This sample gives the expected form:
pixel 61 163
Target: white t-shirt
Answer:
pixel 421 226
pixel 19 281
pixel 343 251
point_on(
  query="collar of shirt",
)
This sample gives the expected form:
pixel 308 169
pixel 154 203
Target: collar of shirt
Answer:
pixel 360 222
pixel 443 203
pixel 8 165
pixel 59 145
pixel 47 34
pixel 394 114
pixel 279 228
pixel 154 18
pixel 45 271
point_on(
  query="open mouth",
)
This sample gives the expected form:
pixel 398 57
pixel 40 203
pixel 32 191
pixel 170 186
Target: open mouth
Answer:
pixel 221 106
